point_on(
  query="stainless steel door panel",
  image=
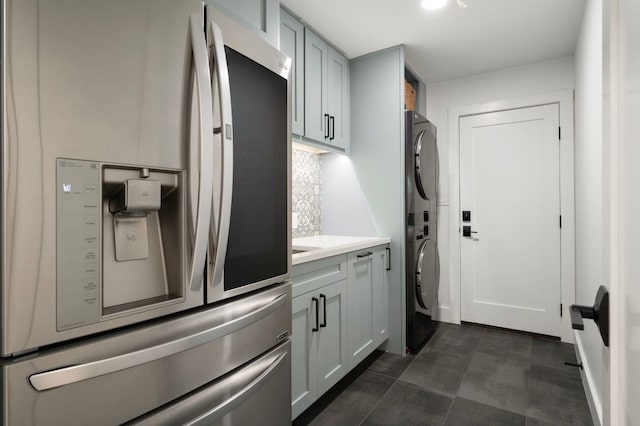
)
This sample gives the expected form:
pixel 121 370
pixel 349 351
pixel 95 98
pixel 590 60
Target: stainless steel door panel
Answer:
pixel 85 79
pixel 121 376
pixel 244 42
pixel 261 388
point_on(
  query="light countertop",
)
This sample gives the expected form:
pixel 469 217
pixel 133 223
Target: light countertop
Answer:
pixel 322 246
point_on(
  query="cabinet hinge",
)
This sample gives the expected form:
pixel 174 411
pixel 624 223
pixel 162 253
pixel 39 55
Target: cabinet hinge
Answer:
pixel 561 310
pixel 559 133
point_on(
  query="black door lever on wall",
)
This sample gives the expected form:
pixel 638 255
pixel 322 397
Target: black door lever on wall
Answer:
pixel 599 313
pixel 466 231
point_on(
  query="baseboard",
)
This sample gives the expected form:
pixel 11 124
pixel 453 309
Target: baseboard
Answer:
pixel 443 314
pixel 595 406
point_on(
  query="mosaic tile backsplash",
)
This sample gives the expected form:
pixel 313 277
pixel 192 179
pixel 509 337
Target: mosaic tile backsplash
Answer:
pixel 305 192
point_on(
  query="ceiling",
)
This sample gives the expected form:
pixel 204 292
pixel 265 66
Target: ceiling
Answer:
pixel 452 42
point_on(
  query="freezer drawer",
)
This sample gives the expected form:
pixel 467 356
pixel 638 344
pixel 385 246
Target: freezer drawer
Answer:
pixel 120 377
pixel 255 389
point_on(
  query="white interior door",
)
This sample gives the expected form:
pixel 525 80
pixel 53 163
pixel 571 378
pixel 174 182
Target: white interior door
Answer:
pixel 510 182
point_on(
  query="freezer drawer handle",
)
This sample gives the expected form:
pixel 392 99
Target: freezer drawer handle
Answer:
pixel 77 373
pixel 175 413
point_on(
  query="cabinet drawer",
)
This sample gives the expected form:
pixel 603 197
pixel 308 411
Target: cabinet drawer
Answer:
pixel 310 276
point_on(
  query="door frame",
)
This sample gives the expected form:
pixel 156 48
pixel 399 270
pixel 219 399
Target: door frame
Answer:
pixel 564 99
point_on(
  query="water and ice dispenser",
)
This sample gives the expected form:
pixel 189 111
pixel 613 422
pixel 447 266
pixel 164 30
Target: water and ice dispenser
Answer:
pixel 121 244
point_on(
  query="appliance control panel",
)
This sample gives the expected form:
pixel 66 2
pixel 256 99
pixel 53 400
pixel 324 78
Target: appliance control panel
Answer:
pixel 78 259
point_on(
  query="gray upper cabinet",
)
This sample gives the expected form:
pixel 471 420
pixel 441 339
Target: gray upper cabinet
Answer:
pixel 316 59
pixel 338 99
pixel 326 94
pixel 260 16
pixel 292 45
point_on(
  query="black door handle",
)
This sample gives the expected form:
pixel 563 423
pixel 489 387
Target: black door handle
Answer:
pixel 324 310
pixel 466 231
pixel 326 126
pixel 315 300
pixel 332 120
pixel 599 313
pixel 365 255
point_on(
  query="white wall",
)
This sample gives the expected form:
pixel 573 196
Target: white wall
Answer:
pixel 345 208
pixel 591 236
pixel 527 80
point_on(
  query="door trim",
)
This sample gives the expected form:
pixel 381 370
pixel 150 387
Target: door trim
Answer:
pixel 564 99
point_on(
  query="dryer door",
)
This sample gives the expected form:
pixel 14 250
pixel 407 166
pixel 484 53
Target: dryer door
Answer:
pixel 425 165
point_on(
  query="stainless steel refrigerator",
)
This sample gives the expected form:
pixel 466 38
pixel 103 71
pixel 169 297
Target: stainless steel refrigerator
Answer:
pixel 422 263
pixel 145 233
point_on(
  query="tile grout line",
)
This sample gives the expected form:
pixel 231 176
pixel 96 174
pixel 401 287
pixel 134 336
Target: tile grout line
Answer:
pixel 396 379
pixel 378 403
pixel 465 375
pixel 526 401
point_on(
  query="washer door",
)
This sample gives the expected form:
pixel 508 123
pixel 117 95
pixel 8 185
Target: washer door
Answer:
pixel 425 272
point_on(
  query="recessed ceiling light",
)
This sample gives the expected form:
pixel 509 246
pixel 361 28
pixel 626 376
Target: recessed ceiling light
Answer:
pixel 433 4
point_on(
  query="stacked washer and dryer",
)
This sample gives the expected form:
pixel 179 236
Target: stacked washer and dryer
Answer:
pixel 422 263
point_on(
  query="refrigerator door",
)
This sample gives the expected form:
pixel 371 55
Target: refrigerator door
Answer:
pixel 127 374
pixel 251 230
pixel 105 103
pixel 259 388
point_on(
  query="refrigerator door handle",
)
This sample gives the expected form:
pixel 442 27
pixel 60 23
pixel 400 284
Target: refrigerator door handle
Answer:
pixel 225 133
pixel 77 373
pixel 220 231
pixel 205 184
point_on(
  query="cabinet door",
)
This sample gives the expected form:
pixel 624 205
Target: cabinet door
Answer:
pixel 303 353
pixel 260 16
pixel 361 303
pixel 380 288
pixel 315 87
pixel 332 338
pixel 292 45
pixel 338 99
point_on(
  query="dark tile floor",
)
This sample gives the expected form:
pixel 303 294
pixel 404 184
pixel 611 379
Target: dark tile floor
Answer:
pixel 465 375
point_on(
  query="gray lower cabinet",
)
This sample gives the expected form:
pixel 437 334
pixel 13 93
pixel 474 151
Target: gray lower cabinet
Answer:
pixel 340 315
pixel 319 330
pixel 380 290
pixel 368 306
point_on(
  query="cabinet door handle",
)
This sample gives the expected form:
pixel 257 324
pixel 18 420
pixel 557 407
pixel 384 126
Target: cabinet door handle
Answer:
pixel 324 310
pixel 360 256
pixel 388 249
pixel 332 120
pixel 315 300
pixel 326 126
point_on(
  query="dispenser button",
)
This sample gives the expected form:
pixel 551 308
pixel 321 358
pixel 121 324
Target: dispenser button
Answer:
pixel 426 216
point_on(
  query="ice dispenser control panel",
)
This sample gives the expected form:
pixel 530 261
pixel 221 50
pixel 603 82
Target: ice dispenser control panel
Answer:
pixel 78 209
